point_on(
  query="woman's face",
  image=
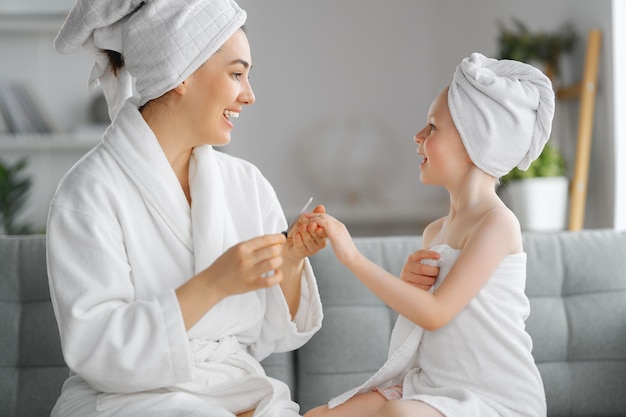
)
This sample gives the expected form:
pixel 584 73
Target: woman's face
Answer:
pixel 217 91
pixel 440 145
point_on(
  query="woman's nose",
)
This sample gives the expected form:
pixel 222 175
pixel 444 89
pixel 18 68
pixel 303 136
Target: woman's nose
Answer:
pixel 247 95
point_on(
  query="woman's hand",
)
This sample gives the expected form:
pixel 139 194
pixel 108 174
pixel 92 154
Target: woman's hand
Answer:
pixel 420 274
pixel 338 234
pixel 305 238
pixel 245 266
pixel 242 268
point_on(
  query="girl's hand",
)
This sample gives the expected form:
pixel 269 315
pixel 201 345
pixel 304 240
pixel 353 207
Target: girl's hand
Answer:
pixel 420 274
pixel 340 239
pixel 305 238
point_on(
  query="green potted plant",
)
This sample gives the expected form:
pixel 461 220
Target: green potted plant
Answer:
pixel 540 48
pixel 14 187
pixel 550 163
pixel 538 196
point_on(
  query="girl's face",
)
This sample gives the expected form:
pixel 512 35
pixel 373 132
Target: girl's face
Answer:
pixel 217 91
pixel 440 145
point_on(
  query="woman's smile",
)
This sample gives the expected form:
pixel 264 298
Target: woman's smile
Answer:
pixel 230 114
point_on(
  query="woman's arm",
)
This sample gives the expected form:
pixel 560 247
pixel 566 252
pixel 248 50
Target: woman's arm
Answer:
pixel 116 342
pixel 304 240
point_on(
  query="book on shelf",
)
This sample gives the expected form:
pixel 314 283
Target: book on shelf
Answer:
pixel 20 110
pixel 4 127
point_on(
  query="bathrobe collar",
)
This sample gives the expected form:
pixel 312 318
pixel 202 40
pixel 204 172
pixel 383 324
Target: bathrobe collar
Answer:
pixel 137 150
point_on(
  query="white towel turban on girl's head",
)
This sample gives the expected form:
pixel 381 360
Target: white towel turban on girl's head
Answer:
pixel 163 42
pixel 503 111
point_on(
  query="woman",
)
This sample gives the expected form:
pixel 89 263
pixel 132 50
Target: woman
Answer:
pixel 169 276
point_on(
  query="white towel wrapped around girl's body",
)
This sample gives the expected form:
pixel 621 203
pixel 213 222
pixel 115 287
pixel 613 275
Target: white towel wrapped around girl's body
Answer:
pixel 480 363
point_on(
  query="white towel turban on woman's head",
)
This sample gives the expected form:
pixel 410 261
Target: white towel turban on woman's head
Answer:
pixel 503 111
pixel 162 41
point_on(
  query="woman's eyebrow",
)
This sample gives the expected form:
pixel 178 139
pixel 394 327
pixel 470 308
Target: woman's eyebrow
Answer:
pixel 245 63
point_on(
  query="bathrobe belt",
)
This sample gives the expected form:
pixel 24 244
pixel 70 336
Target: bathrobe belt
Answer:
pixel 226 349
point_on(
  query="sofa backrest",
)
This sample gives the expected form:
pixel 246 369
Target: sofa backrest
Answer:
pixel 32 370
pixel 576 284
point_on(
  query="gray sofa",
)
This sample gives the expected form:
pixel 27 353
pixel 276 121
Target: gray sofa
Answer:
pixel 576 285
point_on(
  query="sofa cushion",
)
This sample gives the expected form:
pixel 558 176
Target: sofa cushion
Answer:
pixel 32 370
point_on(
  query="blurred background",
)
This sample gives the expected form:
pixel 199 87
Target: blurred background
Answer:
pixel 341 86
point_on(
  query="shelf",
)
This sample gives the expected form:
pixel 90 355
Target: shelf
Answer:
pixel 364 214
pixel 379 213
pixel 54 142
pixel 30 23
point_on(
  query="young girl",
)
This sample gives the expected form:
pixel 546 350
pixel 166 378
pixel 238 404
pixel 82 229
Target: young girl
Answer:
pixel 461 349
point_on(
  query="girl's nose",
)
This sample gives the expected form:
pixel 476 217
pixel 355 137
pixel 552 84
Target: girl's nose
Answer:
pixel 421 135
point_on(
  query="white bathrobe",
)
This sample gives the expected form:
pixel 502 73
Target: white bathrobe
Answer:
pixel 121 238
pixel 478 365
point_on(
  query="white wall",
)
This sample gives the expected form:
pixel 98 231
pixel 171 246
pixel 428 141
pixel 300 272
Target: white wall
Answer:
pixel 601 186
pixel 322 63
pixel 342 87
pixel 619 100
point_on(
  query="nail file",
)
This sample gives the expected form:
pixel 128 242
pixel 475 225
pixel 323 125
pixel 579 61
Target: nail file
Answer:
pixel 293 222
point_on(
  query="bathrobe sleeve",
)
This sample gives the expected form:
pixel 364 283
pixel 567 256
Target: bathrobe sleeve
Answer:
pixel 279 333
pixel 115 341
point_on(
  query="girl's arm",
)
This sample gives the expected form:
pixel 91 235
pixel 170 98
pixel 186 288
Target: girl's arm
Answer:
pixel 493 238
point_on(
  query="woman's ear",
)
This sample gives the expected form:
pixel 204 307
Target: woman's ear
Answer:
pixel 181 88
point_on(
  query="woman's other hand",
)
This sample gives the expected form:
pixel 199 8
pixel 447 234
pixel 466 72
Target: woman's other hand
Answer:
pixel 305 238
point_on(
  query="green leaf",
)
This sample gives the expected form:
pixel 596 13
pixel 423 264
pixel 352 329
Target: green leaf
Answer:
pixel 550 163
pixel 522 45
pixel 14 190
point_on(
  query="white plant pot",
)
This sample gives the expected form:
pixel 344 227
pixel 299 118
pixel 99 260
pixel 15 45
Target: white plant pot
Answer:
pixel 538 203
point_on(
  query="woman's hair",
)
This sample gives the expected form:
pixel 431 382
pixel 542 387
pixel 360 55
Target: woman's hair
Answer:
pixel 116 59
